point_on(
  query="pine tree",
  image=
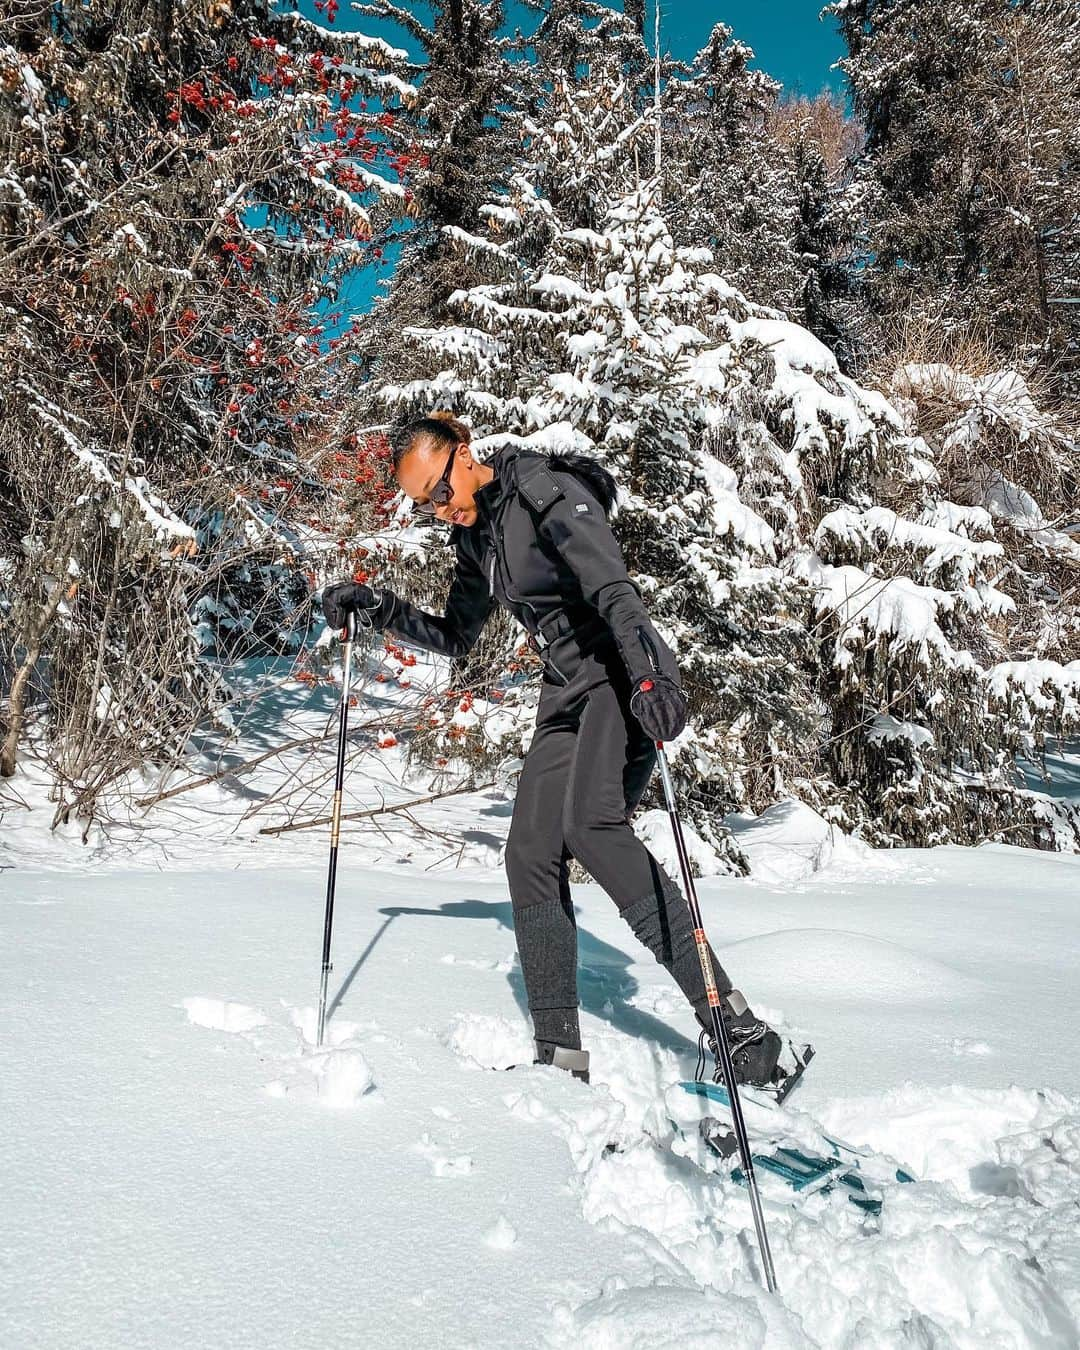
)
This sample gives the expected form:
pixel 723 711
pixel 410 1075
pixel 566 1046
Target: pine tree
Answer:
pixel 786 527
pixel 461 137
pixel 968 186
pixel 730 185
pixel 576 37
pixel 817 137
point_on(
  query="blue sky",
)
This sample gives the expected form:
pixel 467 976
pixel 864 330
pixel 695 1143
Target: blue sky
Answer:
pixel 788 38
pixel 789 41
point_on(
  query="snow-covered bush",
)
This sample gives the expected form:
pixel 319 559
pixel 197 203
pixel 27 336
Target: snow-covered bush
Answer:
pixel 167 239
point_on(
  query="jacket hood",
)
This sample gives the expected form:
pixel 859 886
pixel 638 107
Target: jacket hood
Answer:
pixel 507 460
pixel 592 471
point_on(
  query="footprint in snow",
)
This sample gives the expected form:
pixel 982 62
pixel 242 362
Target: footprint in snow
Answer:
pixel 442 1164
pixel 501 1236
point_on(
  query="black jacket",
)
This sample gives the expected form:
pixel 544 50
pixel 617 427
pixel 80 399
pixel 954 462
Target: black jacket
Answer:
pixel 543 549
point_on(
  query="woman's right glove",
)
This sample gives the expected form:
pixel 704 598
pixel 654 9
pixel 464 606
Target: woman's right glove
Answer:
pixel 349 597
pixel 660 706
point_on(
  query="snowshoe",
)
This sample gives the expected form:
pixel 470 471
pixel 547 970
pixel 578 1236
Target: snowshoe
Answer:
pixel 783 1145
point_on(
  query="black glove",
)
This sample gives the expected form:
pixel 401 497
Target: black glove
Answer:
pixel 348 597
pixel 660 706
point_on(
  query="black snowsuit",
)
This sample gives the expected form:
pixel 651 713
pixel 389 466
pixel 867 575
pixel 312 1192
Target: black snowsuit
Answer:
pixel 542 548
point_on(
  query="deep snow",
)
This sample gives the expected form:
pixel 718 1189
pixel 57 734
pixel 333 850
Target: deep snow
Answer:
pixel 181 1168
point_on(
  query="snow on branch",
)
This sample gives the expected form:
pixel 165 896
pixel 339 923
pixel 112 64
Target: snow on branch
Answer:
pixel 1036 689
pixel 156 513
pixel 376 48
pixel 869 609
pixel 878 528
pixel 459 342
pixel 478 244
pixel 386 187
pixel 383 83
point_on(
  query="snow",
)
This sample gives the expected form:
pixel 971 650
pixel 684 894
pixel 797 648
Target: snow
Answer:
pixel 878 527
pixel 92 458
pixel 375 46
pixel 894 607
pixel 182 1166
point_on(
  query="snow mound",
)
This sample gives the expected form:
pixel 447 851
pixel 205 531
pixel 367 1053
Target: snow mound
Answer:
pixel 1046 1163
pixel 666 1318
pixel 336 1031
pixel 489 1042
pixel 849 967
pixel 653 828
pixel 501 1236
pixel 789 841
pixel 342 1077
pixel 218 1015
pixel 967 1136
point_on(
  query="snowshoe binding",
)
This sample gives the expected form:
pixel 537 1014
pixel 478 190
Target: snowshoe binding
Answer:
pixel 576 1062
pixel 759 1056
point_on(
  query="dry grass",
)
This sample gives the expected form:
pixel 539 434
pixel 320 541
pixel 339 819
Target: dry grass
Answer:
pixel 823 122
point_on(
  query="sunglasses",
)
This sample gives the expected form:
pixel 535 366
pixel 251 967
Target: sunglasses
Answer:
pixel 441 492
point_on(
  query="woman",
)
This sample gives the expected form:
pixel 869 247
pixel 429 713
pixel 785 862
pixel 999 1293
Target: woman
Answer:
pixel 531 534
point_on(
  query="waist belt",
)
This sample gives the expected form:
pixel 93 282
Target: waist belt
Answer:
pixel 561 623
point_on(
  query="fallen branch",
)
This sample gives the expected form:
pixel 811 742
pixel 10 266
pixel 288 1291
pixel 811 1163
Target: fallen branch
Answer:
pixel 247 764
pixel 376 810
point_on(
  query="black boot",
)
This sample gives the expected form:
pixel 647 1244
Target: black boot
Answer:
pixel 755 1047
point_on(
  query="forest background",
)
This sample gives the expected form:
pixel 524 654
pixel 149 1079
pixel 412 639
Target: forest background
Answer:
pixel 827 345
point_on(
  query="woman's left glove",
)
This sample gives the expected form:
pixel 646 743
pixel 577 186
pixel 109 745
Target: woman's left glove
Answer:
pixel 348 597
pixel 660 706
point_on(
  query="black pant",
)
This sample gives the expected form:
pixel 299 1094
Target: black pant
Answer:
pixel 585 772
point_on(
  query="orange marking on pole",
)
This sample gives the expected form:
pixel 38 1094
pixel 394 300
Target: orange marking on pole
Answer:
pixel 706 967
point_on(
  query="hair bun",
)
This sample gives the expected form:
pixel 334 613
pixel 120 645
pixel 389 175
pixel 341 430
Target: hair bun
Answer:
pixel 439 429
pixel 448 419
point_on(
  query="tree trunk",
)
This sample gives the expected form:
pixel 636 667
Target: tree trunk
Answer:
pixel 20 686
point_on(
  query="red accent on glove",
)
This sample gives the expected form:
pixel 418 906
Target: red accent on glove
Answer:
pixel 646 685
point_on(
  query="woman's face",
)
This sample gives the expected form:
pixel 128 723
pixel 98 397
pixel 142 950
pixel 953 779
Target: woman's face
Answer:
pixel 426 465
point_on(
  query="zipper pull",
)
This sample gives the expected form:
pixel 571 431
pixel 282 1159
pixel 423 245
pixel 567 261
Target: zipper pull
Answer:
pixel 650 647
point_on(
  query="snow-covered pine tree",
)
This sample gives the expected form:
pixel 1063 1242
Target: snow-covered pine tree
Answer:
pixel 166 237
pixel 575 37
pixel 818 137
pixel 458 140
pixel 729 185
pixel 968 186
pixel 591 353
pixel 1001 458
pixel 782 521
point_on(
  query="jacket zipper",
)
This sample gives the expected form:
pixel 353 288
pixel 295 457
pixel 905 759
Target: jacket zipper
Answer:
pixel 498 558
pixel 650 647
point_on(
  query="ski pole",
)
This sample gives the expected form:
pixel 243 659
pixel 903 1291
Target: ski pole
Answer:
pixel 719 1030
pixel 335 824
